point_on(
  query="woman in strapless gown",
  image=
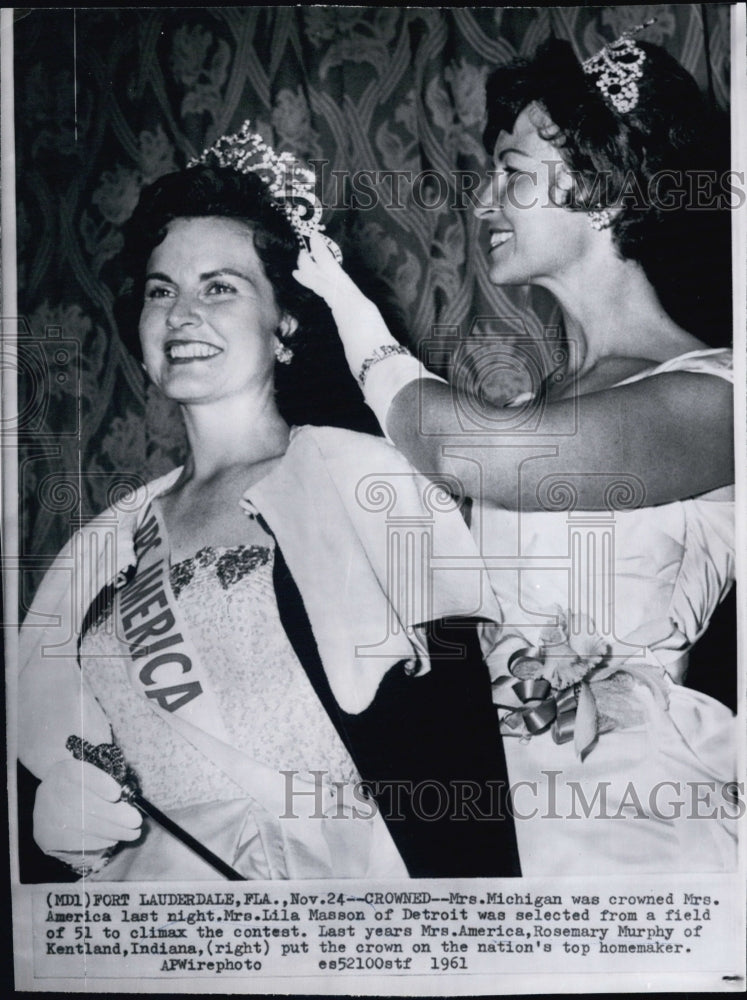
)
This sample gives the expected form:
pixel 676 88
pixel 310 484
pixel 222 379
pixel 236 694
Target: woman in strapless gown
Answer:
pixel 603 497
pixel 653 788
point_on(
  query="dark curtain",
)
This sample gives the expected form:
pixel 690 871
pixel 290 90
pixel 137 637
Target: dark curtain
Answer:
pixel 109 100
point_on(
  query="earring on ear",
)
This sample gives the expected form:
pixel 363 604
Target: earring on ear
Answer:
pixel 600 218
pixel 287 327
pixel 283 353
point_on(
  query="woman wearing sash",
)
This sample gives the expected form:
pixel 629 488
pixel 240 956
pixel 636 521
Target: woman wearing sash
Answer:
pixel 603 499
pixel 235 629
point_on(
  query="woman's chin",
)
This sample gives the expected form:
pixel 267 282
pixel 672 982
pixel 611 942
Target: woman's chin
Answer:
pixel 504 270
pixel 498 275
pixel 179 391
pixel 189 380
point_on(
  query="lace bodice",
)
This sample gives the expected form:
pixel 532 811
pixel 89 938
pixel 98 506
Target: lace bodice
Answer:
pixel 271 711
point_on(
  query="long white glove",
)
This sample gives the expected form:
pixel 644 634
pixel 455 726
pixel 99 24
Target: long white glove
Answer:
pixel 79 815
pixel 369 346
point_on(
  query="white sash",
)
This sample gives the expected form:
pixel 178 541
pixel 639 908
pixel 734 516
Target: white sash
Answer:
pixel 306 841
pixel 164 665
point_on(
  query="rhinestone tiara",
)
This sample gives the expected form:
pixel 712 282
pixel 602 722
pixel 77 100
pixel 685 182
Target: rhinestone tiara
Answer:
pixel 292 185
pixel 618 66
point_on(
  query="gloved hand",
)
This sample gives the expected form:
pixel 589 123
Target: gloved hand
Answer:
pixel 360 324
pixel 364 334
pixel 78 809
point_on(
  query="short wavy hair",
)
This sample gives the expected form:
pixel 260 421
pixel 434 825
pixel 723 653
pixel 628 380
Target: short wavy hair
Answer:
pixel 637 161
pixel 316 387
pixel 207 191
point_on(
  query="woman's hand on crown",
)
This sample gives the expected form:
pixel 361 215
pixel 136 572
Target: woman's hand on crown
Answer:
pixel 360 324
pixel 319 271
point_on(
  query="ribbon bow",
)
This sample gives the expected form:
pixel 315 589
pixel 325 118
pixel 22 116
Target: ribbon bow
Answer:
pixel 571 712
pixel 552 685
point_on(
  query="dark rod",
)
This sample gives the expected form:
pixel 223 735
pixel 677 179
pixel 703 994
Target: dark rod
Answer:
pixel 108 757
pixel 186 838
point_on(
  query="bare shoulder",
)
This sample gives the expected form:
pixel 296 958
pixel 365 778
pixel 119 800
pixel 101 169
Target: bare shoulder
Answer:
pixel 690 391
pixel 606 374
pixel 615 371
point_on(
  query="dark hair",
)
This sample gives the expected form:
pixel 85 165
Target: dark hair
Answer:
pixel 639 161
pixel 315 387
pixel 205 191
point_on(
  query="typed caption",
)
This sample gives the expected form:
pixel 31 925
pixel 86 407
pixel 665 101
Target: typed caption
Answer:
pixel 239 937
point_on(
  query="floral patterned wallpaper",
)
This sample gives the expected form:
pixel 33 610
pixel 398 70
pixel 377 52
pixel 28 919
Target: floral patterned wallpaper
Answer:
pixel 109 100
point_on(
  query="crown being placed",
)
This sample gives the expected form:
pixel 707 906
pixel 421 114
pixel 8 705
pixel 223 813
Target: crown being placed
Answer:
pixel 291 185
pixel 618 66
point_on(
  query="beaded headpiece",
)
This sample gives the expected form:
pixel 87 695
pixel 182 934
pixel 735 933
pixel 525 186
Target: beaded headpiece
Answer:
pixel 291 185
pixel 618 66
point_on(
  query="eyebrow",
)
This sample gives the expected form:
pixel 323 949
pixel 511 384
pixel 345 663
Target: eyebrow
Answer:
pixel 512 149
pixel 225 270
pixel 159 276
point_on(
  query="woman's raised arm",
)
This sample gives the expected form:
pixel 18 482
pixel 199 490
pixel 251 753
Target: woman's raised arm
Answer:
pixel 664 438
pixel 667 437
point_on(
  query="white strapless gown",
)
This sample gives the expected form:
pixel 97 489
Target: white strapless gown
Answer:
pixel 652 794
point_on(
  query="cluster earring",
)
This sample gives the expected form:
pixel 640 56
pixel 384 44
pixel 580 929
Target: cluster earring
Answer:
pixel 283 353
pixel 600 218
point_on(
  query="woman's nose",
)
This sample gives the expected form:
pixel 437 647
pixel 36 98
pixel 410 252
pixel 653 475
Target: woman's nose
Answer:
pixel 183 312
pixel 488 196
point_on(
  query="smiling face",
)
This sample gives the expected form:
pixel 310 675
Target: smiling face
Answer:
pixel 532 238
pixel 209 317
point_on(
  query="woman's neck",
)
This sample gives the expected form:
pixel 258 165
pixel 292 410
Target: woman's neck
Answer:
pixel 237 432
pixel 612 311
